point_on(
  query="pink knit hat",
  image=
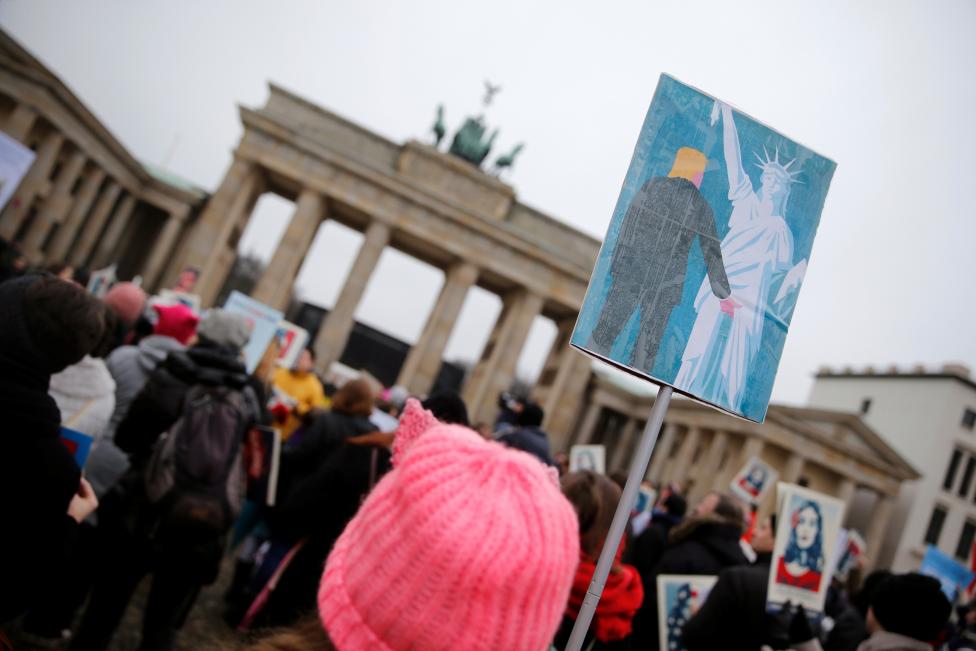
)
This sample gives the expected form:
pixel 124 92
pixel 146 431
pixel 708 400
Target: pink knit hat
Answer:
pixel 465 545
pixel 176 321
pixel 126 300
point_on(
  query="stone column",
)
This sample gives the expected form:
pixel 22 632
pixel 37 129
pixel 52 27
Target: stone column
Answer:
pixel 65 237
pixel 423 362
pixel 31 185
pixel 55 206
pixel 110 240
pixel 276 282
pixel 845 493
pixel 334 333
pixel 662 452
pixel 707 470
pixel 562 384
pixel 689 443
pixel 96 221
pixel 794 467
pixel 163 249
pixel 585 433
pixel 214 227
pixel 20 122
pixel 496 369
pixel 625 443
pixel 878 527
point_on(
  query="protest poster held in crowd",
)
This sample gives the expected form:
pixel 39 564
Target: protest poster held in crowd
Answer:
pixel 851 550
pixel 588 457
pixel 753 481
pixel 708 321
pixel 15 160
pixel 953 576
pixel 679 597
pixel 262 321
pixel 804 555
pixel 293 339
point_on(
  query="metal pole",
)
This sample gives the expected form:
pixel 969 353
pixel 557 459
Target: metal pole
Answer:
pixel 637 469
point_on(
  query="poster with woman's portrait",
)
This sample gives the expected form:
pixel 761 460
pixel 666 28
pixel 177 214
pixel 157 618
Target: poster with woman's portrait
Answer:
pixel 807 525
pixel 753 481
pixel 588 457
pixel 679 598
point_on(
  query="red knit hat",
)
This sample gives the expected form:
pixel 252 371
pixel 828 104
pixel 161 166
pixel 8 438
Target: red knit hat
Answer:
pixel 176 321
pixel 465 545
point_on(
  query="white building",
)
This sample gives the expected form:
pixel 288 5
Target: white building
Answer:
pixel 929 418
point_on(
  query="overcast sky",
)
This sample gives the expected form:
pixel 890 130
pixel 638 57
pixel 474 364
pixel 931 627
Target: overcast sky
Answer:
pixel 886 89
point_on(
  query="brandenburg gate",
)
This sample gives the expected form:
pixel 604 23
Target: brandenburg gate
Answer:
pixel 428 204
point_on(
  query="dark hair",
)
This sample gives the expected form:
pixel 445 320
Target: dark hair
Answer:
pixel 530 416
pixel 447 407
pixel 595 499
pixel 63 320
pixel 311 352
pixel 112 335
pixel 676 505
pixel 306 635
pixel 912 605
pixel 81 276
pixel 354 398
pixel 862 599
pixel 55 268
pixel 728 508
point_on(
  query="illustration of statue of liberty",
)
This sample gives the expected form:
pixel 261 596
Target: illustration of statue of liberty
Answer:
pixel 757 252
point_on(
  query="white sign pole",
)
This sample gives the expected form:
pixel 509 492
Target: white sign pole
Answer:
pixel 637 469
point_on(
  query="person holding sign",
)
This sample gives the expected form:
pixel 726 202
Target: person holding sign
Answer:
pixel 300 392
pixel 662 223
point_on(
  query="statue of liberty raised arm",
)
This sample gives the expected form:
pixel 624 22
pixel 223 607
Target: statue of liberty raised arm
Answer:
pixel 757 250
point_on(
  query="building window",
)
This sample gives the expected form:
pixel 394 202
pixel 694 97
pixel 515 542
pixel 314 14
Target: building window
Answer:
pixel 969 419
pixel 965 545
pixel 950 476
pixel 865 405
pixel 967 477
pixel 934 530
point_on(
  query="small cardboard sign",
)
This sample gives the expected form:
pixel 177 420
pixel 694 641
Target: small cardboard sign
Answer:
pixel 78 444
pixel 588 457
pixel 678 598
pixel 753 481
pixel 807 526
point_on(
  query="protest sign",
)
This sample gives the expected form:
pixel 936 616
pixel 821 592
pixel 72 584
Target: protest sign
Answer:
pixel 173 297
pixel 293 340
pixel 588 457
pixel 101 281
pixel 262 321
pixel 852 549
pixel 807 525
pixel 678 598
pixel 15 160
pixel 753 481
pixel 78 444
pixel 952 575
pixel 262 457
pixel 697 279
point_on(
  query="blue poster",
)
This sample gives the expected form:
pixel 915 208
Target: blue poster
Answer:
pixel 698 276
pixel 262 321
pixel 952 575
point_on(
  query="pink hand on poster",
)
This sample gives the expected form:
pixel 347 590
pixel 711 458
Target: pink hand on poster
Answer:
pixel 729 306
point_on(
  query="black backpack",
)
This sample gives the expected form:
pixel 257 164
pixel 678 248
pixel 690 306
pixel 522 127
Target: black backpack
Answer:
pixel 195 475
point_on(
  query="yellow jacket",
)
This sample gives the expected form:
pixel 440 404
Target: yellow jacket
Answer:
pixel 307 392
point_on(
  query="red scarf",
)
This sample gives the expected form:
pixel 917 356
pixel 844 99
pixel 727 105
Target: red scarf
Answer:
pixel 622 596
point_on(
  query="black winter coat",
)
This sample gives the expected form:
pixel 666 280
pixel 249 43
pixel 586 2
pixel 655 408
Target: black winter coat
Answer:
pixel 647 549
pixel 529 439
pixel 38 476
pixel 701 546
pixel 160 402
pixel 734 615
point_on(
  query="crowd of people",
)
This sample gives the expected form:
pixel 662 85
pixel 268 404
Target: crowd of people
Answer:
pixel 397 524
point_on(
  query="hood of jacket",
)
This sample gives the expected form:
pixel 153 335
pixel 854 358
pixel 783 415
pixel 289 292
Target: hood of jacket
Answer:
pixel 154 349
pixel 885 641
pixel 89 379
pixel 714 532
pixel 208 364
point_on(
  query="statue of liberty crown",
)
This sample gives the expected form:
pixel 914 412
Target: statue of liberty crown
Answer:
pixel 774 165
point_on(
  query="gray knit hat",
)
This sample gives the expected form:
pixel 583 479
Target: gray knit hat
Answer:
pixel 224 328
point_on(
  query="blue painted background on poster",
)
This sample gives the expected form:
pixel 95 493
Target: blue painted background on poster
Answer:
pixel 678 117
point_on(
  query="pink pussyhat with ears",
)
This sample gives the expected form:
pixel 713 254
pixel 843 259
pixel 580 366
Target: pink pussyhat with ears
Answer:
pixel 465 545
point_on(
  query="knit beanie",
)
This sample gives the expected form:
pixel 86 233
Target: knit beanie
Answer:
pixel 912 605
pixel 227 329
pixel 126 300
pixel 176 321
pixel 465 545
